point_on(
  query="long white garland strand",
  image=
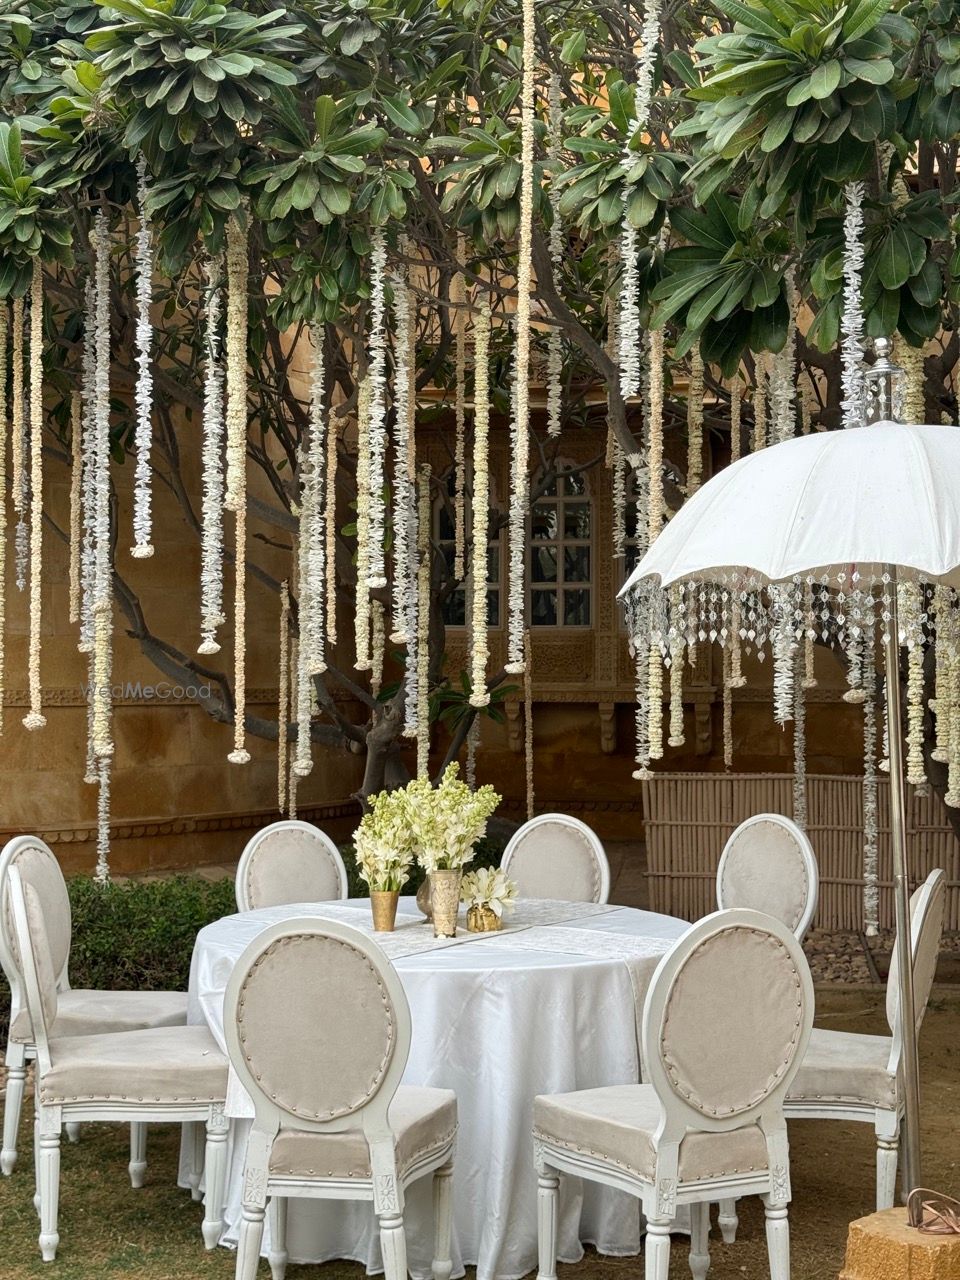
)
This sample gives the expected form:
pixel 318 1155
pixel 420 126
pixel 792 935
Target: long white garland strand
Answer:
pixel 630 337
pixel 528 723
pixel 458 291
pixel 952 796
pixel 4 424
pixel 695 422
pixel 916 771
pixel 851 321
pixel 479 647
pixel 376 576
pixel 473 745
pixel 760 386
pixel 88 450
pixel 871 882
pixel 143 395
pixel 799 748
pixel 411 701
pixel 312 583
pixel 727 710
pixel 76 486
pixel 292 780
pixel 423 623
pixel 236 370
pixel 35 719
pixel 783 373
pixel 911 361
pixel 102 873
pixel 330 535
pixel 655 712
pixel 736 405
pixel 555 247
pixel 102 599
pixel 402 486
pixel 378 634
pixel 19 446
pixel 283 696
pixel 211 538
pixel 676 738
pixel 655 505
pixel 361 617
pixel 239 754
pixel 519 462
pixel 302 709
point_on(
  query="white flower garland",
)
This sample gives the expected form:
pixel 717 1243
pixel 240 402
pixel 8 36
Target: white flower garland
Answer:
pixel 292 780
pixel 676 738
pixel 853 644
pixel 102 873
pixel 378 641
pixel 361 617
pixel 760 383
pixel 727 710
pixel 952 796
pixel 528 723
pixel 423 623
pixel 695 422
pixel 642 714
pixel 102 598
pixel 737 678
pixel 555 246
pixel 655 504
pixel 916 771
pixel 619 502
pixel 35 719
pixel 479 648
pixel 655 709
pixel 239 754
pixel 871 882
pixel 736 405
pixel 799 751
pixel 312 583
pixel 375 575
pixel 911 361
pixel 211 538
pixel 784 647
pixel 411 702
pixel 76 487
pixel 236 368
pixel 19 446
pixel 283 696
pixel 783 371
pixel 403 496
pixel 3 492
pixel 458 293
pixel 143 395
pixel 473 745
pixel 330 535
pixel 851 322
pixel 938 704
pixel 88 449
pixel 519 462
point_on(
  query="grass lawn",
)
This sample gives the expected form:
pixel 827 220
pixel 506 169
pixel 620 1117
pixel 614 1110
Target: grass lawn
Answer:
pixel 109 1231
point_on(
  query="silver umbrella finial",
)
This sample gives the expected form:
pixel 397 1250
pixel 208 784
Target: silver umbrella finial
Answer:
pixel 884 385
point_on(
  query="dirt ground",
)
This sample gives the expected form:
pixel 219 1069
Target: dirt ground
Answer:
pixel 109 1231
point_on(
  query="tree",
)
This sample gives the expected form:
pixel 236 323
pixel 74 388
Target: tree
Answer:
pixel 325 130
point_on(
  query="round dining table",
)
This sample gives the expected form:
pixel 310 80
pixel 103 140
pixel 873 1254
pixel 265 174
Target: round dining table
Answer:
pixel 548 1005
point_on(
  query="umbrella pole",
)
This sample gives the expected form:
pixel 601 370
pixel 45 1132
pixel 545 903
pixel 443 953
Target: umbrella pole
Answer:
pixel 910 1071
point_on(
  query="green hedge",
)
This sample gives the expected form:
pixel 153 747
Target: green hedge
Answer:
pixel 139 935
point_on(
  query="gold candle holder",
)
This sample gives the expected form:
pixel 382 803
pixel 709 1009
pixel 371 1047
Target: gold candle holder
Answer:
pixel 483 919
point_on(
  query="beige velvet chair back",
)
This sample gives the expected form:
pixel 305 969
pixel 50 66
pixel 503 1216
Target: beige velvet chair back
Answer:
pixel 726 1021
pixel 289 861
pixel 768 865
pixel 38 867
pixel 317 1028
pixel 556 856
pixel 36 960
pixel 926 929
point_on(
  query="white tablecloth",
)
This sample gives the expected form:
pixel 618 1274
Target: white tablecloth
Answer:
pixel 498 1019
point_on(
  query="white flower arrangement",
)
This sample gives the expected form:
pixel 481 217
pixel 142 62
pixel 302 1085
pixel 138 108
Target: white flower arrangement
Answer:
pixel 76 485
pixel 655 502
pixel 736 402
pixel 446 821
pixel 383 842
pixel 760 387
pixel 489 887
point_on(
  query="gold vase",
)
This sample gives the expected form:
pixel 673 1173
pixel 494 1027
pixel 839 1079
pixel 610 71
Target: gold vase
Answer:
pixel 445 902
pixel 383 904
pixel 423 899
pixel 482 919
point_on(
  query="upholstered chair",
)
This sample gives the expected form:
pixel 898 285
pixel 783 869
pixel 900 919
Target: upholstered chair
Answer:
pixel 726 1020
pixel 289 861
pixel 556 856
pixel 318 1032
pixel 78 1012
pixel 160 1074
pixel 768 865
pixel 849 1076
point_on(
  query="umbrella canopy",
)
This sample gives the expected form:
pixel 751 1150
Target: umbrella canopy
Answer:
pixel 887 494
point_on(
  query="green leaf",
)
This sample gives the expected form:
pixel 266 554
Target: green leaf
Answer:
pixel 324 111
pixel 825 80
pixel 574 47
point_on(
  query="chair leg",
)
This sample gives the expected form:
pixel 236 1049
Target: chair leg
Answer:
pixel 278 1237
pixel 886 1172
pixel 248 1244
pixel 36 1163
pixel 215 1164
pixel 699 1240
pixel 442 1221
pixel 393 1245
pixel 12 1105
pixel 778 1239
pixel 48 1166
pixel 196 1137
pixel 72 1131
pixel 137 1167
pixel 548 1190
pixel 656 1249
pixel 727 1220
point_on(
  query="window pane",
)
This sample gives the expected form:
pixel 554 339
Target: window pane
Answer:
pixel 574 484
pixel 632 557
pixel 576 564
pixel 493 608
pixel 543 564
pixel 543 522
pixel 543 608
pixel 576 608
pixel 455 609
pixel 448 551
pixel 576 520
pixel 493 562
pixel 445 527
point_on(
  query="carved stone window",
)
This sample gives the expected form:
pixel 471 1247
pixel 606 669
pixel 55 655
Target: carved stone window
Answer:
pixel 560 556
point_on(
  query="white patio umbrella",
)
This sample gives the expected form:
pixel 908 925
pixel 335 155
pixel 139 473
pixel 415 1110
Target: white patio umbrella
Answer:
pixel 836 512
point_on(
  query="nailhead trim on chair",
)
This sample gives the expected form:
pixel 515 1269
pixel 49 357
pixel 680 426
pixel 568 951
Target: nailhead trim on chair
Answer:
pixel 542 1136
pixel 414 1157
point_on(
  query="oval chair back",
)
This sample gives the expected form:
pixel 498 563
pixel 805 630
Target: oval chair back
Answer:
pixel 35 958
pixel 39 868
pixel 289 861
pixel 768 865
pixel 926 929
pixel 556 856
pixel 725 1025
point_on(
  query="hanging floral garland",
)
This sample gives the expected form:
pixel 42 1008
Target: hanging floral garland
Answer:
pixel 952 795
pixel 676 738
pixel 361 617
pixel 18 446
pixel 649 669
pixel 736 407
pixel 102 599
pixel 375 575
pixel 783 644
pixel 102 873
pixel 853 645
pixel 458 297
pixel 473 746
pixel 76 489
pixel 423 623
pixel 727 711
pixel 293 780
pixel 415 539
pixel 851 322
pixel 528 723
pixel 35 719
pixel 520 454
pixel 479 649
pixel 630 337
pixel 4 336
pixel 378 642
pixel 283 696
pixel 302 762
pixel 655 712
pixel 403 494
pixel 783 370
pixel 88 450
pixel 330 536
pixel 910 605
pixel 312 582
pixel 799 750
pixel 555 246
pixel 871 880
pixel 235 417
pixel 642 712
pixel 239 754
pixel 760 383
pixel 143 395
pixel 211 537
pixel 695 422
pixel 938 704
pixel 911 361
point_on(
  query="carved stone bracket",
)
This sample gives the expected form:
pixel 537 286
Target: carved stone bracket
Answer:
pixel 608 727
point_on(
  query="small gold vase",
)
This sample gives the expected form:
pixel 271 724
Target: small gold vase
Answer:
pixel 445 902
pixel 481 919
pixel 383 904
